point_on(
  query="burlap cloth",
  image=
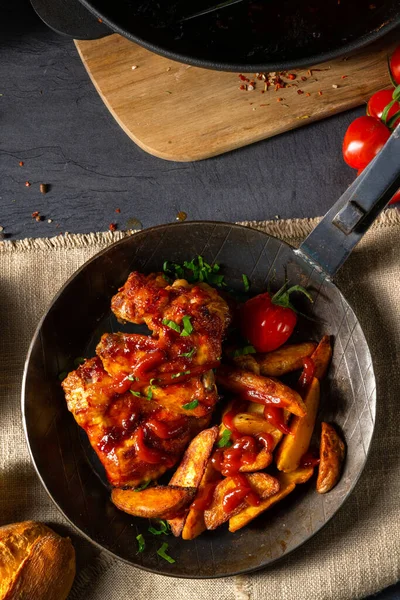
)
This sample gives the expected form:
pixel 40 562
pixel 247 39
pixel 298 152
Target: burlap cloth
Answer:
pixel 357 553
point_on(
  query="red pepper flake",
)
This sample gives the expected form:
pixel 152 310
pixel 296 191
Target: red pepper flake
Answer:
pixel 35 214
pixel 319 93
pixel 242 77
pixel 304 78
pixel 27 184
pixel 291 76
pixel 112 227
pixel 21 163
pixel 279 99
pixel 300 92
pixel 243 87
pixel 100 20
pixel 118 210
pixel 308 94
pixel 344 77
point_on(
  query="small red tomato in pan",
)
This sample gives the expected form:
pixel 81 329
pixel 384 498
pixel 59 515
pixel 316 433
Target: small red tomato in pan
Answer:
pixel 364 138
pixel 268 321
pixel 395 65
pixel 378 102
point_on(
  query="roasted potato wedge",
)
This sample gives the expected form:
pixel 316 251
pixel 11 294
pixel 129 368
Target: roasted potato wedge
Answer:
pixel 262 461
pixel 247 362
pixel 296 444
pixel 194 523
pixel 190 471
pixel 252 424
pixel 285 359
pixel 332 454
pixel 261 389
pixel 159 502
pixel 265 486
pixel 321 357
pixel 287 483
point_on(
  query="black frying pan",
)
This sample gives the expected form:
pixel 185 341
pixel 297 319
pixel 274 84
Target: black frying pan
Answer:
pixel 80 313
pixel 253 35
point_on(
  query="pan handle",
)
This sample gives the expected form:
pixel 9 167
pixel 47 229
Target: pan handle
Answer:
pixel 333 239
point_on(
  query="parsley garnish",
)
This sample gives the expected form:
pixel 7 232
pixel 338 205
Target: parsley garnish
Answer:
pixel 189 354
pixel 143 486
pixel 225 440
pixel 141 542
pixel 199 270
pixel 187 326
pixel 132 378
pixel 171 325
pixel 175 375
pixel 163 553
pixel 190 405
pixel 63 375
pixel 246 282
pixel 164 528
pixel 173 269
pixel 138 394
pixel 79 360
pixel 244 351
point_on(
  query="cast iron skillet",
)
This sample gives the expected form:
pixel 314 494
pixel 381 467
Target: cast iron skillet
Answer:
pixel 80 313
pixel 256 35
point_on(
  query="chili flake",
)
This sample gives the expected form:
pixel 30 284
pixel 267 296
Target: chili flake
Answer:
pixel 118 210
pixel 27 184
pixel 112 227
pixel 21 163
pixel 291 76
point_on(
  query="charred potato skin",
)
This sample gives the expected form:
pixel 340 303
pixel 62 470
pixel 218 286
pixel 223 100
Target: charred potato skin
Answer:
pixel 332 455
pixel 35 563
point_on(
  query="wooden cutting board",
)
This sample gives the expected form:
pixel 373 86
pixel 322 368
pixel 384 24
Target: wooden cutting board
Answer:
pixel 184 113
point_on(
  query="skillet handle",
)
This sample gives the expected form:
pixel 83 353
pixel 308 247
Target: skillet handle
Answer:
pixel 331 242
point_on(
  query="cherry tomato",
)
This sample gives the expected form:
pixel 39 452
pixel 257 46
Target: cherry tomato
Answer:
pixel 395 65
pixel 396 197
pixel 378 102
pixel 364 138
pixel 266 325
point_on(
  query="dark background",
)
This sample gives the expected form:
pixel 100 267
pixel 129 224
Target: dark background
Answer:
pixel 52 119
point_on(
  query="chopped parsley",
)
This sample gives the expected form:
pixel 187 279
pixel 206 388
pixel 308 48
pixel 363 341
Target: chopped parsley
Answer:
pixel 163 553
pixel 63 375
pixel 243 351
pixel 173 269
pixel 190 405
pixel 196 270
pixel 175 375
pixel 138 394
pixel 141 542
pixel 132 378
pixel 164 528
pixel 225 440
pixel 246 282
pixel 187 326
pixel 189 354
pixel 143 486
pixel 79 360
pixel 171 325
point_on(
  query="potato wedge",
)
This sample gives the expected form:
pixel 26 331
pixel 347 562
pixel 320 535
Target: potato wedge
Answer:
pixel 296 444
pixel 332 454
pixel 265 486
pixel 159 502
pixel 260 389
pixel 285 359
pixel 252 424
pixel 287 483
pixel 194 523
pixel 262 461
pixel 321 357
pixel 247 362
pixel 190 471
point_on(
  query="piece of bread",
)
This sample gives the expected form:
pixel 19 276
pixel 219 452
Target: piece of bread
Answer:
pixel 35 563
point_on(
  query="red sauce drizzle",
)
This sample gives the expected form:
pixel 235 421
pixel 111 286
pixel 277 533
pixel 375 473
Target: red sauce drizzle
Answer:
pixel 144 453
pixel 307 375
pixel 267 440
pixel 274 416
pixel 242 491
pixel 227 419
pixel 204 498
pixel 309 459
pixel 167 429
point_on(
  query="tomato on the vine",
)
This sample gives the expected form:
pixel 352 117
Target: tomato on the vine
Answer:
pixel 378 102
pixel 364 138
pixel 268 321
pixel 394 64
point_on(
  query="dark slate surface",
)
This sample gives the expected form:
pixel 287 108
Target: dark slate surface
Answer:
pixel 52 119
